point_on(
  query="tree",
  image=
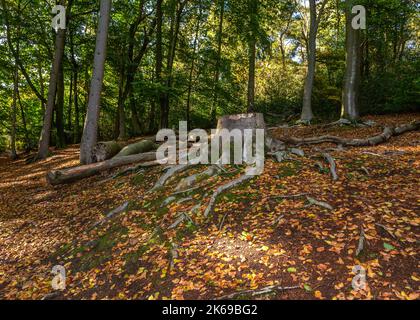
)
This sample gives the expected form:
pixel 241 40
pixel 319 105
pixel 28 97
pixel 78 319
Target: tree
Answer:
pixel 44 140
pixel 314 17
pixel 213 110
pixel 90 130
pixel 350 103
pixel 252 50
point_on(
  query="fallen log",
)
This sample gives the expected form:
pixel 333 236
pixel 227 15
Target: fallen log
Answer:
pixel 69 175
pixel 387 134
pixel 137 148
pixel 105 151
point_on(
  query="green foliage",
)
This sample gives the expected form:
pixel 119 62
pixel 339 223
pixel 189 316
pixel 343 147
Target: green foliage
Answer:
pixel 390 62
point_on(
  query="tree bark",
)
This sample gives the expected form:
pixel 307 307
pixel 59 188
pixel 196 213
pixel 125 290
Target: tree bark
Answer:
pixel 44 141
pixel 173 40
pixel 74 174
pixel 252 42
pixel 13 154
pixel 105 150
pixel 90 132
pixel 350 110
pixel 213 111
pixel 59 120
pixel 193 60
pixel 159 54
pixel 307 114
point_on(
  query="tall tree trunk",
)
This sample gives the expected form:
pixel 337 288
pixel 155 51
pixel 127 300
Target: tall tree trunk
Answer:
pixel 76 107
pixel 13 153
pixel 135 120
pixel 159 55
pixel 44 141
pixel 173 40
pixel 213 111
pixel 59 122
pixel 25 127
pixel 70 105
pixel 121 110
pixel 350 108
pixel 190 78
pixel 252 43
pixel 90 132
pixel 41 86
pixel 307 114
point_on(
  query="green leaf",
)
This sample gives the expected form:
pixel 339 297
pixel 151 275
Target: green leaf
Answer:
pixel 291 270
pixel 307 287
pixel 388 247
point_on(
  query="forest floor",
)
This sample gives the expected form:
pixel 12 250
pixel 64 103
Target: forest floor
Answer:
pixel 265 239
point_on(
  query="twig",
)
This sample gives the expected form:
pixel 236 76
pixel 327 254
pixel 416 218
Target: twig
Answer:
pixel 257 292
pixel 386 229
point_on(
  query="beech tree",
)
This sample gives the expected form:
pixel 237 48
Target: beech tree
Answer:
pixel 314 18
pixel 90 131
pixel 350 103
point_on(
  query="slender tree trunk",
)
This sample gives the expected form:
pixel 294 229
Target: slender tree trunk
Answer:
pixel 44 141
pixel 213 111
pixel 307 114
pixel 76 107
pixel 159 55
pixel 25 127
pixel 193 60
pixel 173 40
pixel 252 43
pixel 60 109
pixel 70 105
pixel 121 110
pixel 135 120
pixel 41 86
pixel 350 108
pixel 13 153
pixel 90 132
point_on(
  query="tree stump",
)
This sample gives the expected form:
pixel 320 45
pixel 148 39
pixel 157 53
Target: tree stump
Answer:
pixel 242 121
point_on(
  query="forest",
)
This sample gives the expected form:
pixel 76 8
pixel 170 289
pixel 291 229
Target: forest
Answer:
pixel 89 211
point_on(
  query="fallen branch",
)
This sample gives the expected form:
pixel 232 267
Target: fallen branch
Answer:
pixel 137 148
pixel 68 175
pixel 257 292
pixel 387 230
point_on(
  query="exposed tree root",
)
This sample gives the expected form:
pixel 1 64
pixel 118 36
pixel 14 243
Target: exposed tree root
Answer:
pixel 371 141
pixel 333 168
pixel 170 173
pixel 361 244
pixel 314 202
pixel 224 188
pixel 191 180
pixel 122 208
pixel 257 292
